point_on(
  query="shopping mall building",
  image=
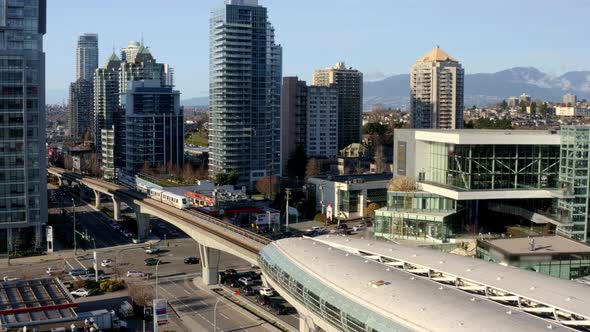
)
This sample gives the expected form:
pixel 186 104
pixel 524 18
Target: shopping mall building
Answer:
pixel 469 181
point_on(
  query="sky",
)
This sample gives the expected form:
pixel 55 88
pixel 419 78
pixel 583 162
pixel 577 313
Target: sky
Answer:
pixel 379 37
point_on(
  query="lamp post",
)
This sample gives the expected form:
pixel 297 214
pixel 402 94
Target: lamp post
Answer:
pixel 74 215
pixel 269 221
pixel 158 263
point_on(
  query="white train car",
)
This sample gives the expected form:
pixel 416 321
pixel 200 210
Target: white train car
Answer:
pixel 156 194
pixel 178 201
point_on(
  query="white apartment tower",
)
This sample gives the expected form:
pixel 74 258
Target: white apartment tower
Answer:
pixel 322 122
pixel 436 84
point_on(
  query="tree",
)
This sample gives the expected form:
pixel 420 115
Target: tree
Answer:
pixel 402 183
pixel 221 179
pixel 68 162
pixel 141 293
pixel 523 106
pixel 380 160
pixel 160 169
pixel 296 162
pixel 146 168
pixel 312 168
pixel 370 210
pixel 233 177
pixel 87 137
pixel 268 185
pixel 375 128
pixel 484 123
pixel 533 108
pixel 93 166
pixel 504 104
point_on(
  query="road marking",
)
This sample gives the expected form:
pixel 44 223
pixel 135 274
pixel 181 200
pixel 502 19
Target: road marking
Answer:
pixel 187 291
pixel 82 265
pixel 70 265
pixel 223 315
pixel 204 303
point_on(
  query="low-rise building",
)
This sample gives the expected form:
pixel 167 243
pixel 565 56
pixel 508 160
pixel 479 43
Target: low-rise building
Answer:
pixel 348 196
pixel 553 255
pixel 571 111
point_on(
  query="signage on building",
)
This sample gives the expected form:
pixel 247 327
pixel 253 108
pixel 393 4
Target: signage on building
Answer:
pixel 401 158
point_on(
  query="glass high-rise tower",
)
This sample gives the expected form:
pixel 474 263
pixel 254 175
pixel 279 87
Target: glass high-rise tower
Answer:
pixel 245 68
pixel 23 194
pixel 87 56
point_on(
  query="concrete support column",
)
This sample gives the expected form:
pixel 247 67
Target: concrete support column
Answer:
pixel 363 202
pixel 116 208
pixel 60 181
pixel 210 264
pixel 8 240
pixel 306 324
pixel 97 199
pixel 143 225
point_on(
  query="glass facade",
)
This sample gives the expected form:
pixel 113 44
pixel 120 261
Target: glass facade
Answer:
pixel 245 69
pixel 418 215
pixel 573 176
pixel 489 167
pixel 23 195
pixel 337 310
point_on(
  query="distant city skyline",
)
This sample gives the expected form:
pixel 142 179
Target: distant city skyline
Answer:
pixel 385 41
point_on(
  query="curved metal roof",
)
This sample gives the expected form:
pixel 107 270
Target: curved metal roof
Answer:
pixel 404 297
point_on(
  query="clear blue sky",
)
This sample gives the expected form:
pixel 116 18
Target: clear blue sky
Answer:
pixel 379 37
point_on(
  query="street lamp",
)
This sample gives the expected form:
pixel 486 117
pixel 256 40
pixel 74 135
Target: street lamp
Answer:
pixel 158 263
pixel 269 224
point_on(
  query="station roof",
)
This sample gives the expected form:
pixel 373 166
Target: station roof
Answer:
pixel 487 136
pixel 565 295
pixel 543 245
pixel 33 302
pixel 414 302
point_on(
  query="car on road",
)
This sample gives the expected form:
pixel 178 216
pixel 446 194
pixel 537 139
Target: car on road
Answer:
pixel 92 276
pixel 80 292
pixel 77 272
pixel 151 261
pixel 246 281
pixel 231 272
pixel 278 309
pixel 136 274
pixel 152 250
pixel 192 260
pixel 266 291
pixel 263 300
pixel 359 227
pixel 251 274
pixel 127 234
pixel 106 263
pixel 52 270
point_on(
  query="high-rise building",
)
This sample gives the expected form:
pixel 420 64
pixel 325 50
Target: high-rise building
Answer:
pixel 81 108
pixel 322 122
pixel 106 97
pixel 168 75
pixel 244 92
pixel 349 83
pixel 23 173
pixel 87 56
pixel 154 128
pixel 570 99
pixel 309 120
pixel 436 87
pixel 293 118
pixel 128 53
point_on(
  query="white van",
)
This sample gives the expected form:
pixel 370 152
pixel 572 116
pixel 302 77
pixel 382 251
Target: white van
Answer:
pixel 135 274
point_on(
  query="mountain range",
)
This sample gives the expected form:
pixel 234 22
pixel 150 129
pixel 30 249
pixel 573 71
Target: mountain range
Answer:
pixel 485 88
pixel 480 89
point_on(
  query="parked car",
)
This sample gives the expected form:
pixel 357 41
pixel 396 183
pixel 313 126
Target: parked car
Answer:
pixel 77 272
pixel 152 250
pixel 135 274
pixel 151 261
pixel 192 260
pixel 106 263
pixel 92 276
pixel 342 226
pixel 52 270
pixel 231 272
pixel 246 281
pixel 80 292
pixel 7 278
pixel 266 291
pixel 359 227
pixel 91 270
pixel 247 290
pixel 263 300
pixel 278 309
pixel 368 223
pixel 251 274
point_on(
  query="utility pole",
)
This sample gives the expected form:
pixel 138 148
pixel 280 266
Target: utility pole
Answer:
pixel 288 195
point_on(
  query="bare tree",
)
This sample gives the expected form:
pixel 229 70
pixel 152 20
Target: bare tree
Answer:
pixel 402 183
pixel 68 162
pixel 380 161
pixel 268 185
pixel 312 168
pixel 140 292
pixel 160 169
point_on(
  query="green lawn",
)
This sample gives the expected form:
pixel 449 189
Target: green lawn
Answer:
pixel 198 138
